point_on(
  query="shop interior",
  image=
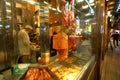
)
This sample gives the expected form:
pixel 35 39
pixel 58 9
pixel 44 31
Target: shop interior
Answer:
pixel 63 37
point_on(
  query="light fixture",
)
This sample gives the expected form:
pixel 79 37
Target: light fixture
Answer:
pixel 30 1
pixel 8 3
pixel 54 9
pixel 85 7
pixel 91 1
pixel 9 11
pixel 59 11
pixel 1 26
pixel 88 20
pixel 45 2
pixel 92 4
pixel 109 14
pixel 87 14
pixel 79 1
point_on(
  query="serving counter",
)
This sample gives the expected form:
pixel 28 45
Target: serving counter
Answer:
pixel 73 68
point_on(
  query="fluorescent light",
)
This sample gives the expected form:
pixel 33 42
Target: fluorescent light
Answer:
pixel 85 7
pixel 9 17
pixel 8 11
pixel 91 1
pixel 53 9
pixel 87 14
pixel 1 26
pixel 59 11
pixel 108 13
pixel 92 4
pixel 30 1
pixel 88 20
pixel 8 3
pixel 80 1
pixel 45 2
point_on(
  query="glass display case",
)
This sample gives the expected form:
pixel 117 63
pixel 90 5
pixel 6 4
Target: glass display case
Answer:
pixel 80 39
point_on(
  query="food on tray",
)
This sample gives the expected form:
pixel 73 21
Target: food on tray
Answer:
pixel 37 74
pixel 64 73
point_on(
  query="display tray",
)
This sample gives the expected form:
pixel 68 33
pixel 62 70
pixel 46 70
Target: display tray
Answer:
pixel 71 59
pixel 38 73
pixel 74 60
pixel 64 71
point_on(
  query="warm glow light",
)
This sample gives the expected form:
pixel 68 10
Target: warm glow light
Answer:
pixel 30 1
pixel 59 11
pixel 54 9
pixel 110 3
pixel 70 77
pixel 45 2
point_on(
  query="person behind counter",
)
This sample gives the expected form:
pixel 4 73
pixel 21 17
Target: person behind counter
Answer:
pixel 24 44
pixel 53 51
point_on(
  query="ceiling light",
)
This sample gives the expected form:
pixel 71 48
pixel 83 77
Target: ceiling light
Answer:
pixel 87 14
pixel 8 3
pixel 109 13
pixel 85 7
pixel 79 1
pixel 54 9
pixel 45 2
pixel 91 1
pixel 8 11
pixel 59 11
pixel 92 4
pixel 30 1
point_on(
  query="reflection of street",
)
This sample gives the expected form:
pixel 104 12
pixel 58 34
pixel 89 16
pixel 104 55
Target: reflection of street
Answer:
pixel 111 64
pixel 83 50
